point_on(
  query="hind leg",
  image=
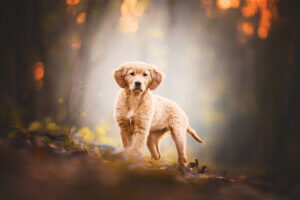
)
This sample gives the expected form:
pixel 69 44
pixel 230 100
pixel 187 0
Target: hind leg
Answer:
pixel 179 136
pixel 152 144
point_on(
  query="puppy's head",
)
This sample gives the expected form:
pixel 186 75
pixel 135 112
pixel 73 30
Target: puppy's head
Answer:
pixel 137 76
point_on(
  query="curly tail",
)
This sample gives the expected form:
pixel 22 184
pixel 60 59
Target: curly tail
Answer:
pixel 193 133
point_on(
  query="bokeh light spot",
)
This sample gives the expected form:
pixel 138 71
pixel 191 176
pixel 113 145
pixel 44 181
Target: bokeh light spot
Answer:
pixel 247 28
pixel 250 8
pixel 75 42
pixel 39 71
pixel 72 2
pixel 266 9
pixel 83 114
pixel 60 100
pixel 262 32
pixel 226 4
pixel 131 11
pixel 80 19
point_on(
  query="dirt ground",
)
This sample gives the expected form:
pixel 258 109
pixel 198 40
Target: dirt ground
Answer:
pixel 45 166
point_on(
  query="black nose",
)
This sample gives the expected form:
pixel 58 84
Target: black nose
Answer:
pixel 138 83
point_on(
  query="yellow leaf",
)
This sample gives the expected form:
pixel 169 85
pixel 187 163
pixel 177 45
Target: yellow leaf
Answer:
pixel 86 133
pixel 51 126
pixel 101 133
pixel 35 126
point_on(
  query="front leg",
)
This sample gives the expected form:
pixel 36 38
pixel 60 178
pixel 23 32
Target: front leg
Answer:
pixel 140 132
pixel 125 132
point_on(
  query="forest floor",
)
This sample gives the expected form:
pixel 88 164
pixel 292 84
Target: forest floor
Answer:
pixel 40 165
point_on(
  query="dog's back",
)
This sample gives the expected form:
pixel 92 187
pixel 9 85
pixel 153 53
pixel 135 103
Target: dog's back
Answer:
pixel 166 112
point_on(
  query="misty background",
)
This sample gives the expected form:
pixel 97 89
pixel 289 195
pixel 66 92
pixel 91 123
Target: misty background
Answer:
pixel 230 64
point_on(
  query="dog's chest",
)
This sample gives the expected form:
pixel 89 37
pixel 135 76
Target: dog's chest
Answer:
pixel 132 107
pixel 129 116
pixel 130 113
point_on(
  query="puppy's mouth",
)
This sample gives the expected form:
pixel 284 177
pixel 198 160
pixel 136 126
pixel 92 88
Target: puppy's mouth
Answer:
pixel 138 89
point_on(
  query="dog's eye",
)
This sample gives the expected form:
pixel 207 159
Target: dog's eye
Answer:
pixel 132 73
pixel 144 74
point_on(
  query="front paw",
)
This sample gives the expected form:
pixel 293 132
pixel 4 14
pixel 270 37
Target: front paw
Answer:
pixel 133 151
pixel 130 156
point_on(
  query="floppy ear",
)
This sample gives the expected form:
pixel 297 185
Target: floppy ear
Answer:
pixel 156 78
pixel 119 76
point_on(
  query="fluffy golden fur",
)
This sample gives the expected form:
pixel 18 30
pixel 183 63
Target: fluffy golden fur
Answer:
pixel 143 117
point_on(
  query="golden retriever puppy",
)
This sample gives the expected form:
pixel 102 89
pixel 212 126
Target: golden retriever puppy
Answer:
pixel 143 116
